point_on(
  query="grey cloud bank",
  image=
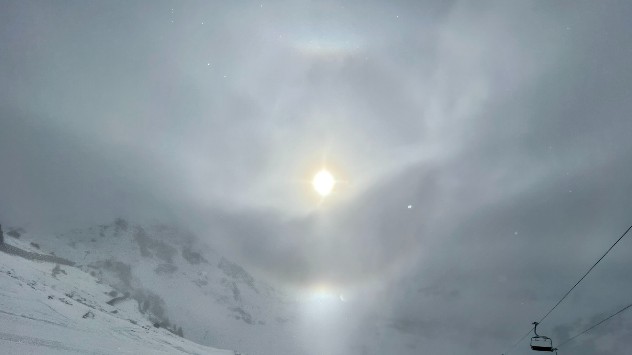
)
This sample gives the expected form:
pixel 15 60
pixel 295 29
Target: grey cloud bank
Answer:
pixel 505 126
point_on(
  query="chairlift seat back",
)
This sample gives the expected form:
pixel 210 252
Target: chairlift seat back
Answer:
pixel 541 343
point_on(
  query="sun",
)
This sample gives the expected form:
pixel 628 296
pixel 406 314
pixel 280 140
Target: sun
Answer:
pixel 323 182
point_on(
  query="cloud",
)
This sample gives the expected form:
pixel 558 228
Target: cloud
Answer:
pixel 503 126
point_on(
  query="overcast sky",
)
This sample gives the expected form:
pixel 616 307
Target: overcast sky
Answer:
pixel 482 149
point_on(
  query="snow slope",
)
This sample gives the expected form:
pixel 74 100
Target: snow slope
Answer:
pixel 46 308
pixel 182 283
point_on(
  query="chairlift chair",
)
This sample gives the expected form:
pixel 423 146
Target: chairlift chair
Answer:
pixel 541 342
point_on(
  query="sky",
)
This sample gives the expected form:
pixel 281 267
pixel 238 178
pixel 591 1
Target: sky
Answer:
pixel 481 150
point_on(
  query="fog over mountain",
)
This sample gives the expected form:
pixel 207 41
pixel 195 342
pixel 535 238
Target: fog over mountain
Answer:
pixel 481 155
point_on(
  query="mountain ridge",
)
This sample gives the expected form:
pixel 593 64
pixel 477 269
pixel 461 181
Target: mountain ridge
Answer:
pixel 181 283
pixel 47 308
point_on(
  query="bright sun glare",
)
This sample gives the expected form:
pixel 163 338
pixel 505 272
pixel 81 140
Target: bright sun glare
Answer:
pixel 323 182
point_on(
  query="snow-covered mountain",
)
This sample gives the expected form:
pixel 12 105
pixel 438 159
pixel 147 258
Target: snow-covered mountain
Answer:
pixel 181 284
pixel 52 308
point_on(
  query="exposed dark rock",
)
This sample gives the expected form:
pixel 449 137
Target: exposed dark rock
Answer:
pixel 200 282
pixel 58 270
pixel 116 300
pixel 241 314
pixel 151 305
pixel 89 314
pixel 235 271
pixel 120 225
pixel 234 289
pixel 147 245
pixel 10 249
pixel 165 269
pixel 15 232
pixel 192 257
pixel 122 271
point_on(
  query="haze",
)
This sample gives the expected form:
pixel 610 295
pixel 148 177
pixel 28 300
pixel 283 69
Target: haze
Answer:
pixel 484 147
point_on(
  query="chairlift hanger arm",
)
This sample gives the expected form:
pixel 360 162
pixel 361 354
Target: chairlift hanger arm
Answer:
pixel 535 328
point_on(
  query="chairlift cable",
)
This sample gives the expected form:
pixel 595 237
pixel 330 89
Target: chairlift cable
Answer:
pixel 595 325
pixel 572 288
pixel 586 274
pixel 519 341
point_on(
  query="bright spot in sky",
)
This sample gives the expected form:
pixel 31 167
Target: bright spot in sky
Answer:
pixel 323 182
pixel 324 294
